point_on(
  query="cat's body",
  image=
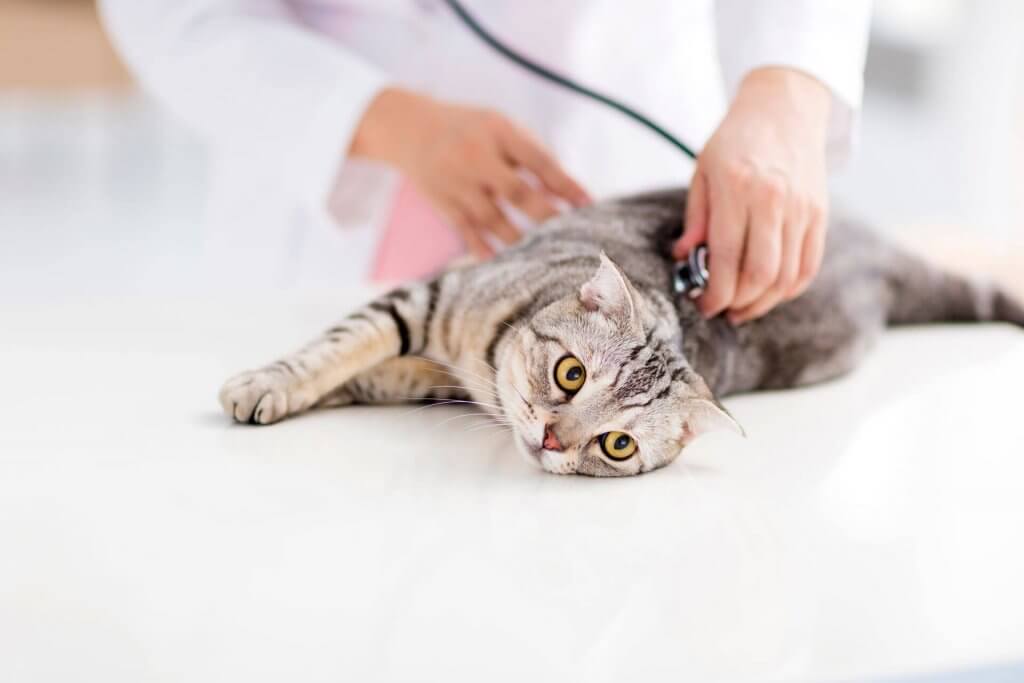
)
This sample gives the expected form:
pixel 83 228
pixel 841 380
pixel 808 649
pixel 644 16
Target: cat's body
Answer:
pixel 505 332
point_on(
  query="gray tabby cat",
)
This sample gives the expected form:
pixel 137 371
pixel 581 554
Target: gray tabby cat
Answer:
pixel 576 338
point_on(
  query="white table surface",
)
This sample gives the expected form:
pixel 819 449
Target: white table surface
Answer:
pixel 868 527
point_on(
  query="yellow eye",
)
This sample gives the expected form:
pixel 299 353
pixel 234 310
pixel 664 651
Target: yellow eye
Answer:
pixel 570 374
pixel 618 445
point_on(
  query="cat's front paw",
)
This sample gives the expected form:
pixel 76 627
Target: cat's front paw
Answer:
pixel 257 397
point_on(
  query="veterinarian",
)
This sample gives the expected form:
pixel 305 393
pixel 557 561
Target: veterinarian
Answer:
pixel 379 138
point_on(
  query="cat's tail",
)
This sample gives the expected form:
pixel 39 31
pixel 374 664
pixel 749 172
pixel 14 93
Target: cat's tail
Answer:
pixel 922 293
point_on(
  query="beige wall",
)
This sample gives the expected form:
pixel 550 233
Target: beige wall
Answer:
pixel 56 45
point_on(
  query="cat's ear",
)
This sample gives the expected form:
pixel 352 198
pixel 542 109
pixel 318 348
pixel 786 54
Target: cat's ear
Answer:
pixel 610 292
pixel 703 415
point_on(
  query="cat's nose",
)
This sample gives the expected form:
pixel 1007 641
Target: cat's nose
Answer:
pixel 551 442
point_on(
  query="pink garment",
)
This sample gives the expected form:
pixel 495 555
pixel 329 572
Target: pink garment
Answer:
pixel 416 241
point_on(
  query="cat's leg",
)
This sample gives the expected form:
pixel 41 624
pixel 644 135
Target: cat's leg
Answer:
pixel 920 293
pixel 398 380
pixel 393 325
pixel 898 289
pixel 906 287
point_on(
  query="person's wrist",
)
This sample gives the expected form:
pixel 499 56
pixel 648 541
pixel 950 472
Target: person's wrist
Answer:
pixel 797 95
pixel 391 126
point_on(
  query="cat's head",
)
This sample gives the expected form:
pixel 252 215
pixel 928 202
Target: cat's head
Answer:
pixel 594 384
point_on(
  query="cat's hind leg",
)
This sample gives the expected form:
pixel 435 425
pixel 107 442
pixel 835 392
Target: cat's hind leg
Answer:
pixel 393 325
pixel 920 293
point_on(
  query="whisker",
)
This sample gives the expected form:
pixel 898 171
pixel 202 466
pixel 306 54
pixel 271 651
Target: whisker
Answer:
pixel 481 427
pixel 517 331
pixel 482 404
pixel 495 370
pixel 470 382
pixel 464 389
pixel 465 375
pixel 459 417
pixel 494 430
pixel 446 402
pixel 484 362
pixel 462 371
pixel 473 381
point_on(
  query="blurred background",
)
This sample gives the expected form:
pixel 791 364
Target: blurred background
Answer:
pixel 88 166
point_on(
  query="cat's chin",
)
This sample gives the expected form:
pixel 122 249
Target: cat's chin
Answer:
pixel 535 455
pixel 532 454
pixel 541 458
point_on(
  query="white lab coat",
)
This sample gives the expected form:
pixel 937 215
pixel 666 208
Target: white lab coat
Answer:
pixel 277 88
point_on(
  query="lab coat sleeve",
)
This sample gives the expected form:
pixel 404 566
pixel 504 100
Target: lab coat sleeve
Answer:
pixel 249 77
pixel 826 39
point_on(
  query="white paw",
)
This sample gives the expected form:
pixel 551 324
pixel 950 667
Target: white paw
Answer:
pixel 258 397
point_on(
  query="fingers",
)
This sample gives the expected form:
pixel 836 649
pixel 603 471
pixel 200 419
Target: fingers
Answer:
pixel 813 250
pixel 501 228
pixel 762 257
pixel 727 228
pixel 482 215
pixel 793 238
pixel 472 164
pixel 473 239
pixel 803 247
pixel 695 227
pixel 523 151
pixel 513 188
pixel 789 270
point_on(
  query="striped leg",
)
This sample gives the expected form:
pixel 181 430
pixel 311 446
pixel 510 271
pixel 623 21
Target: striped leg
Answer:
pixel 399 380
pixel 391 326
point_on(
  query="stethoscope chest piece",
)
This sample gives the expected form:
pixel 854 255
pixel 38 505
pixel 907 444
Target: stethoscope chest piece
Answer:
pixel 691 276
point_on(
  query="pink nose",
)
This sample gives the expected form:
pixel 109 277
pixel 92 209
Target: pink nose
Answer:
pixel 551 442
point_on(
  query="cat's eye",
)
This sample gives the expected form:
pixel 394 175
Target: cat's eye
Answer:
pixel 617 445
pixel 570 374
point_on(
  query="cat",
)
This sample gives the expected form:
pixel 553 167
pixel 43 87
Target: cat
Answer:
pixel 576 339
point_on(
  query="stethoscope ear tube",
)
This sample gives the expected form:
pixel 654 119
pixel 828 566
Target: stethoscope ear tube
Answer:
pixel 691 276
pixel 553 76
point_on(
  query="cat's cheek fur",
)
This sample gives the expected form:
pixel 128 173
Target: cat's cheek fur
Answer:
pixel 593 465
pixel 558 463
pixel 512 385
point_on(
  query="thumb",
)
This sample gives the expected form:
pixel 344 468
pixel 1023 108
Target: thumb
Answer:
pixel 695 225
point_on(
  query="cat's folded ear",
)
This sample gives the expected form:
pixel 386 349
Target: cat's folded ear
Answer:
pixel 707 415
pixel 703 413
pixel 610 292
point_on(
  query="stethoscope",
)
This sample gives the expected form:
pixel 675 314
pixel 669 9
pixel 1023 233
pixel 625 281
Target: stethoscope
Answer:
pixel 691 276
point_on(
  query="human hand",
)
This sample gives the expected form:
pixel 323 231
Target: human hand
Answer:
pixel 758 195
pixel 466 161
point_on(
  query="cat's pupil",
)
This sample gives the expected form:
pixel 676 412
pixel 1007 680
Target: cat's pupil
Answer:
pixel 574 373
pixel 621 443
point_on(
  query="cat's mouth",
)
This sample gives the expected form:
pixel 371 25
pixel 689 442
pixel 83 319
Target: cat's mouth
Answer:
pixel 531 451
pixel 535 454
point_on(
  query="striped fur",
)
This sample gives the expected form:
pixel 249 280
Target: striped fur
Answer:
pixel 596 284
